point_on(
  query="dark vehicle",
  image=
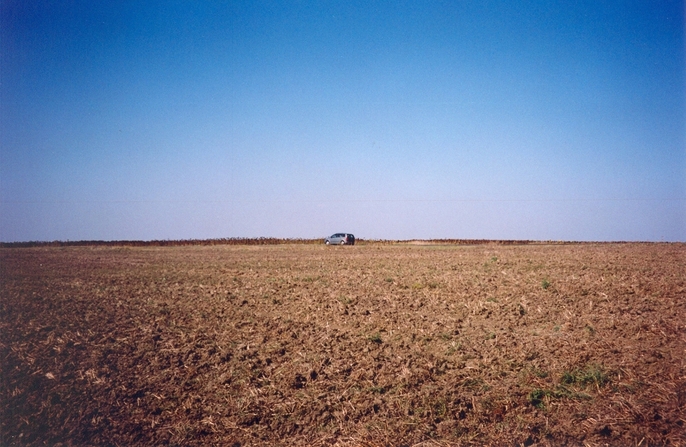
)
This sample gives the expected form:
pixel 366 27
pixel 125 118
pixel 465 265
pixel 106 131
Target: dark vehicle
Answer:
pixel 340 239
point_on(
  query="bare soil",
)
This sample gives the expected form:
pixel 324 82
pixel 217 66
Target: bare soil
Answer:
pixel 372 345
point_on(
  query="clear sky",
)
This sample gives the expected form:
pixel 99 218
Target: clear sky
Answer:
pixel 545 120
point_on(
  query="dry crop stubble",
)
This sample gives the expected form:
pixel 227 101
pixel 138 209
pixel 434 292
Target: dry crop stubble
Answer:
pixel 372 344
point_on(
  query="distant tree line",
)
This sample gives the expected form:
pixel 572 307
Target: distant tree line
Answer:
pixel 165 243
pixel 266 241
pixel 457 241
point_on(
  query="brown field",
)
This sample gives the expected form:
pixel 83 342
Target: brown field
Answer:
pixel 371 345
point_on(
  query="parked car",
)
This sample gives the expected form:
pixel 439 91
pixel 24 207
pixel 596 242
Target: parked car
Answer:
pixel 340 239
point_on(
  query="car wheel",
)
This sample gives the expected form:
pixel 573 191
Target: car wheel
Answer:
pixel 342 242
pixel 326 242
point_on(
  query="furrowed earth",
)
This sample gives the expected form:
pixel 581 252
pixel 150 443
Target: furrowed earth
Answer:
pixel 370 345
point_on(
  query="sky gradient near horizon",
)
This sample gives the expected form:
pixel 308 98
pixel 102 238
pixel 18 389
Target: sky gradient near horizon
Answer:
pixel 540 120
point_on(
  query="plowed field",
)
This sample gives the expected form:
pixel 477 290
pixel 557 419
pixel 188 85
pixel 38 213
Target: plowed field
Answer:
pixel 373 345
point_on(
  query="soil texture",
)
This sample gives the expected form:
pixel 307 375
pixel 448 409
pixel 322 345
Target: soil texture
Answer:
pixel 371 345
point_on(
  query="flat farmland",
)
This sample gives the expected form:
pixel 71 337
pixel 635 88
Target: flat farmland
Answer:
pixel 370 345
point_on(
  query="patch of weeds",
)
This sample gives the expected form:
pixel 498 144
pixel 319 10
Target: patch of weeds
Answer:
pixel 545 283
pixel 440 408
pixel 490 336
pixel 561 392
pixel 494 259
pixel 556 328
pixel 389 279
pixel 446 336
pixel 536 397
pixel 568 378
pixel 539 373
pixel 490 299
pixel 591 375
pixel 590 329
pixel 417 286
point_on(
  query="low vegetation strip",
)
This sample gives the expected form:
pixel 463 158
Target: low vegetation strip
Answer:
pixel 271 241
pixel 162 243
pixel 302 344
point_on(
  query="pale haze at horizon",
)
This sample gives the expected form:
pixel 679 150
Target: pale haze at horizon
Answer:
pixel 412 120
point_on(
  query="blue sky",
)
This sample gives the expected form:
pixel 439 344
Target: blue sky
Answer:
pixel 393 120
